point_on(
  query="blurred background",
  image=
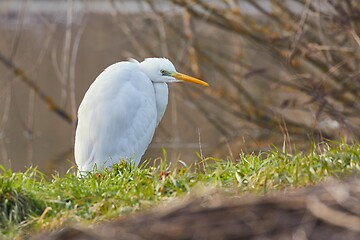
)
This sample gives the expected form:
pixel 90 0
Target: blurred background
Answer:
pixel 283 73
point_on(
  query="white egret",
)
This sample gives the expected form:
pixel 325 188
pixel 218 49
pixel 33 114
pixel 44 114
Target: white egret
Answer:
pixel 120 111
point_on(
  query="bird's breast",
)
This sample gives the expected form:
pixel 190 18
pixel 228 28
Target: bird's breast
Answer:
pixel 161 97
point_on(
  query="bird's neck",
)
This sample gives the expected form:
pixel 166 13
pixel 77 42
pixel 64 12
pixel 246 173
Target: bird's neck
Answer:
pixel 161 95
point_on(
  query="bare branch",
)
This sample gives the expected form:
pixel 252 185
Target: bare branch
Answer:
pixel 44 97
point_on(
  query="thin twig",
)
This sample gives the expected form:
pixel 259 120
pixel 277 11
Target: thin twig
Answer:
pixel 31 83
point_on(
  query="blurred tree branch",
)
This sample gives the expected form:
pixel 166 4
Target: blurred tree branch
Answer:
pixel 40 93
pixel 313 53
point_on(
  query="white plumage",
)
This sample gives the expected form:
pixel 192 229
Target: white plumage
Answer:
pixel 120 111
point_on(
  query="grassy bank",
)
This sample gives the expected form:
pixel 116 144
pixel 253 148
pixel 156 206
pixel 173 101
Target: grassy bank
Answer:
pixel 30 201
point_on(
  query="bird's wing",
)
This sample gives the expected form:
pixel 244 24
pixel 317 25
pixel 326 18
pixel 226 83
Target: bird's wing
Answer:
pixel 117 118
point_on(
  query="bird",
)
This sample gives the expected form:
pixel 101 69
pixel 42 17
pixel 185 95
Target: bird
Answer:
pixel 120 111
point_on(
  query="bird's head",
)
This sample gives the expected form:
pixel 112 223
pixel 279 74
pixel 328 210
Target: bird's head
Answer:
pixel 162 70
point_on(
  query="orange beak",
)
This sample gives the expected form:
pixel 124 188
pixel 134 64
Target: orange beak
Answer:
pixel 187 78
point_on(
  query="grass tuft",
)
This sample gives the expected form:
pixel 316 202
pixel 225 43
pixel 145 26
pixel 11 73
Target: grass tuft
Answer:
pixel 29 201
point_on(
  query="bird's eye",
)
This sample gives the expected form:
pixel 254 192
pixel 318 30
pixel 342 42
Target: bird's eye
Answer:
pixel 162 71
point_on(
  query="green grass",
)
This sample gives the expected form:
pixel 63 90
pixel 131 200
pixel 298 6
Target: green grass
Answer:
pixel 30 201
